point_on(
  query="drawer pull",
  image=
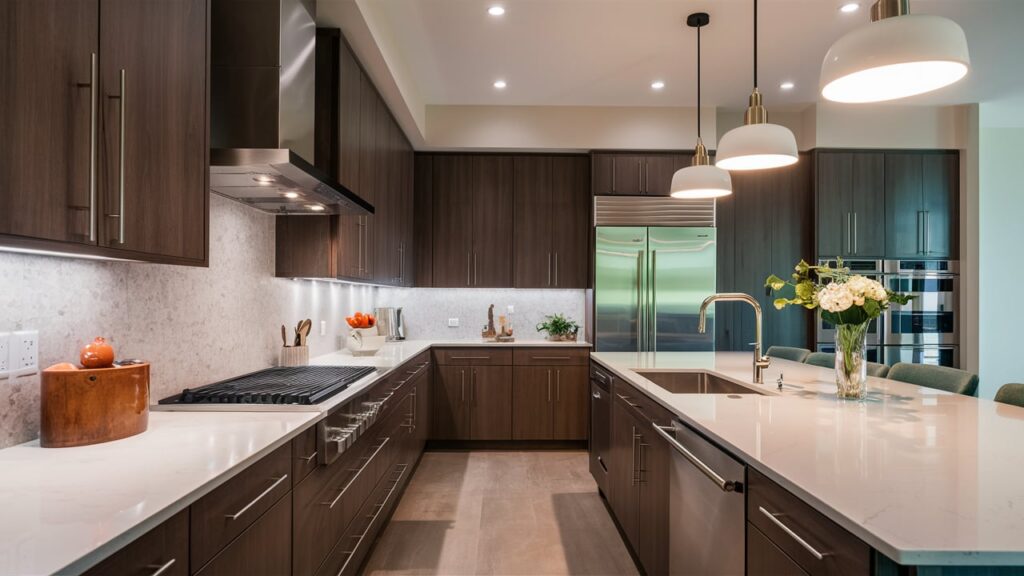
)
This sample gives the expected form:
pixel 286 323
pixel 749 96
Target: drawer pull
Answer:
pixel 471 357
pixel 373 517
pixel 359 471
pixel 550 358
pixel 626 400
pixel 792 534
pixel 160 569
pixel 723 484
pixel 307 458
pixel 277 481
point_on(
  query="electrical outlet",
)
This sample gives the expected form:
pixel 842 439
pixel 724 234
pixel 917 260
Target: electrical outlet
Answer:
pixel 5 354
pixel 453 322
pixel 323 327
pixel 24 352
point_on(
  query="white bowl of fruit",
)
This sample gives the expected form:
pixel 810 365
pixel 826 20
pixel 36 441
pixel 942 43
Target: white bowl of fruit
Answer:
pixel 363 340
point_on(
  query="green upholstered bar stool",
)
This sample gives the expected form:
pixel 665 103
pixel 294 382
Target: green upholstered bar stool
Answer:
pixel 1011 394
pixel 788 353
pixel 828 360
pixel 938 377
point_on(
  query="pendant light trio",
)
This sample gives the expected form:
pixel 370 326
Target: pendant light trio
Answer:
pixel 897 56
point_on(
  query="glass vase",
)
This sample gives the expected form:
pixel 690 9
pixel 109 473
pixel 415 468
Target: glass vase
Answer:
pixel 851 361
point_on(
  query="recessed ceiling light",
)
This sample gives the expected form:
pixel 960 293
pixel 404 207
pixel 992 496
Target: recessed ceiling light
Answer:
pixel 657 85
pixel 496 11
pixel 316 207
pixel 849 7
pixel 291 195
pixel 786 85
pixel 500 84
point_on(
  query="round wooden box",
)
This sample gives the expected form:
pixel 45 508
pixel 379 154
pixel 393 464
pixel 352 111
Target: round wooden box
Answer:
pixel 89 406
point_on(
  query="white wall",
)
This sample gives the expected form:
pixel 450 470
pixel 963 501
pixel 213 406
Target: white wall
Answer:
pixel 888 126
pixel 1001 236
pixel 566 127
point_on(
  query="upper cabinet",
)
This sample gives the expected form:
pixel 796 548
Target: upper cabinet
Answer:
pixel 629 174
pixel 851 204
pixel 123 88
pixel 552 221
pixel 921 198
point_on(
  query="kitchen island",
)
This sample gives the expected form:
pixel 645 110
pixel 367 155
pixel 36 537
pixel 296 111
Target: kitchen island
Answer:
pixel 924 477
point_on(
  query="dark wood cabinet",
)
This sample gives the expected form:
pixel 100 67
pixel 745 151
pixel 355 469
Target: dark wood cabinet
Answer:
pixel 552 217
pixel 570 418
pixel 921 200
pixel 550 394
pixel 450 421
pixel 653 461
pixel 766 559
pixel 626 174
pixel 492 222
pixel 264 549
pixel 163 547
pixel 532 396
pixel 132 177
pixel 623 496
pixel 850 190
pixel 490 410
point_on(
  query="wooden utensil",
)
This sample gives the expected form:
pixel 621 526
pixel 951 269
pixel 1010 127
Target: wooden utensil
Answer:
pixel 284 336
pixel 304 327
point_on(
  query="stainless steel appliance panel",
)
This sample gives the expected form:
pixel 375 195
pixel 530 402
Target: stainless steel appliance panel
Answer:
pixel 682 274
pixel 932 316
pixel 620 289
pixel 937 355
pixel 707 532
pixel 600 425
pixel 390 323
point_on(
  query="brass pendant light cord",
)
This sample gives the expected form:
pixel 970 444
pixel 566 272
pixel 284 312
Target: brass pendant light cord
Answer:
pixel 698 82
pixel 755 44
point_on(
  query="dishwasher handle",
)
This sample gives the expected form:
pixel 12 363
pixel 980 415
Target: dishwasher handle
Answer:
pixel 724 485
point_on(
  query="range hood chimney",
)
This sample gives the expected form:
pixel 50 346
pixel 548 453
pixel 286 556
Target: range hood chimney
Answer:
pixel 262 91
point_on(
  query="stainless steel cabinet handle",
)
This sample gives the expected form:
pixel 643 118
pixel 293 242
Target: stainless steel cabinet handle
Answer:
pixel 463 385
pixel 373 517
pixel 471 357
pixel 855 233
pixel 626 400
pixel 556 268
pixel 601 376
pixel 633 472
pixel 613 175
pixel 639 176
pixel 558 385
pixel 121 97
pixel 351 481
pixel 639 302
pixel 920 232
pixel 553 358
pixel 245 508
pixel 549 268
pixel 472 388
pixel 475 281
pixel 927 248
pixel 92 150
pixel 849 233
pixel 549 385
pixel 307 458
pixel 469 268
pixel 791 534
pixel 723 484
pixel 647 177
pixel 158 570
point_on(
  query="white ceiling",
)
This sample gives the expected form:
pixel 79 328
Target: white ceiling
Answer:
pixel 607 52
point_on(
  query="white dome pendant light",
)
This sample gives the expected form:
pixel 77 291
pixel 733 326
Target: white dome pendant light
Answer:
pixel 896 56
pixel 757 144
pixel 700 179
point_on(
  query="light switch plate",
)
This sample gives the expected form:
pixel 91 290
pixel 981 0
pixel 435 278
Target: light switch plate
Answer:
pixel 24 352
pixel 5 354
pixel 453 322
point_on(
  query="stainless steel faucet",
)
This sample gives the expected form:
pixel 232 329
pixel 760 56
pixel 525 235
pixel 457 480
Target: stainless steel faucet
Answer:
pixel 760 362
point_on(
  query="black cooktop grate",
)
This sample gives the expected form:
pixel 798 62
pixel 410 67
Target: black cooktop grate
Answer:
pixel 296 385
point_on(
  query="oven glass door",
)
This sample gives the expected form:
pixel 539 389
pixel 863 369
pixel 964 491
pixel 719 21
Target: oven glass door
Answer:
pixel 930 317
pixel 934 355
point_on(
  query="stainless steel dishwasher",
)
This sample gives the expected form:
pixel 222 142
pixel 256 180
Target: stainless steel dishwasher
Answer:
pixel 707 531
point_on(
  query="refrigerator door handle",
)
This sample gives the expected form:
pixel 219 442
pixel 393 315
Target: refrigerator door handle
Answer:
pixel 639 302
pixel 653 303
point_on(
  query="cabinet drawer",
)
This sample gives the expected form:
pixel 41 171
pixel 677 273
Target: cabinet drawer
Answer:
pixel 563 356
pixel 482 356
pixel 164 547
pixel 223 514
pixel 264 549
pixel 786 520
pixel 304 455
pixel 640 404
pixel 348 554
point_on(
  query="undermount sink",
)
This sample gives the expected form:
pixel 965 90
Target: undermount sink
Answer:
pixel 695 383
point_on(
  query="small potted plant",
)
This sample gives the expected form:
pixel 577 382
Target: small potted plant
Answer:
pixel 559 328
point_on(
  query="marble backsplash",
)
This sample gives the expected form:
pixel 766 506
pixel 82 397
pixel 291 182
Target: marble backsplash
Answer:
pixel 427 310
pixel 195 325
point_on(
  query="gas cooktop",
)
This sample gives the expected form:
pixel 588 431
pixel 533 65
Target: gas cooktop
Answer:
pixel 300 385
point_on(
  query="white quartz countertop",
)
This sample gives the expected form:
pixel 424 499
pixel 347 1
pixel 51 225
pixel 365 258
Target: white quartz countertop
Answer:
pixel 924 476
pixel 65 509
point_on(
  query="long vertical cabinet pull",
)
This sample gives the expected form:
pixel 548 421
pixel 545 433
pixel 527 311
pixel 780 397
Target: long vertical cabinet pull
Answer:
pixel 556 268
pixel 463 372
pixel 469 268
pixel 613 174
pixel 634 472
pixel 849 232
pixel 549 385
pixel 925 227
pixel 855 233
pixel 472 388
pixel 640 176
pixel 558 385
pixel 475 281
pixel 647 177
pixel 549 268
pixel 92 147
pixel 120 177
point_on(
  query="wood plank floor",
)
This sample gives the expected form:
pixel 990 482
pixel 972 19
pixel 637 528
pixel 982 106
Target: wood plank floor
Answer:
pixel 514 513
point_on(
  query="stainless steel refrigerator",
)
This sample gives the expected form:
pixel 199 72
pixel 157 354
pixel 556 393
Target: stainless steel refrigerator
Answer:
pixel 649 284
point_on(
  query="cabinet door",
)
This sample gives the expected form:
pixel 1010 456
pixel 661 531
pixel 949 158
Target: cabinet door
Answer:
pixel 45 117
pixel 834 180
pixel 349 91
pixel 452 193
pixel 491 403
pixel 423 223
pixel 941 182
pixel 424 411
pixel 627 174
pixel 532 400
pixel 623 495
pixel 385 245
pixel 570 419
pixel 155 169
pixel 903 211
pixel 451 419
pixel 492 198
pixel 658 172
pixel 765 559
pixel 264 549
pixel 571 223
pixel 164 547
pixel 867 202
pixel 653 460
pixel 369 158
pixel 601 166
pixel 535 215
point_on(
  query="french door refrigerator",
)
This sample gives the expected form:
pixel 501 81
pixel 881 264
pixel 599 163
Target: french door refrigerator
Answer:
pixel 648 286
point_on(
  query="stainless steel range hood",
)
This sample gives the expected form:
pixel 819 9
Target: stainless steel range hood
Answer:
pixel 262 109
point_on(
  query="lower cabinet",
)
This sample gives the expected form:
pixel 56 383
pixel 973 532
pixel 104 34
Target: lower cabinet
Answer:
pixel 550 403
pixel 162 548
pixel 264 549
pixel 766 559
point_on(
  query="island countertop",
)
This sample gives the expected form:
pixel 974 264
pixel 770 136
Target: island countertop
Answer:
pixel 923 476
